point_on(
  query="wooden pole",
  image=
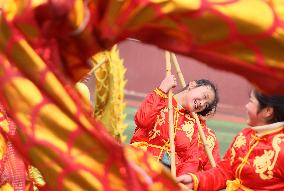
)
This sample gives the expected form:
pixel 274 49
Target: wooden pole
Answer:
pixel 171 122
pixel 200 130
pixel 204 141
pixel 179 73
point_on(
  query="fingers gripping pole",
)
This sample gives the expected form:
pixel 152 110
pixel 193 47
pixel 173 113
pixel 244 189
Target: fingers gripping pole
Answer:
pixel 200 130
pixel 171 122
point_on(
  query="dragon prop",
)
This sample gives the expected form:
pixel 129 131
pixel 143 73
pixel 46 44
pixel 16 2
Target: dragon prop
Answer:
pixel 109 93
pixel 44 48
pixel 109 105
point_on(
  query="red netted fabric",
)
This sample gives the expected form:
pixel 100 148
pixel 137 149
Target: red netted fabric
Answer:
pixel 12 166
pixel 45 46
pixel 13 169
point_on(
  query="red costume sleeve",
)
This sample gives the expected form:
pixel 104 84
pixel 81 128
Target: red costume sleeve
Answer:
pixel 215 178
pixel 146 115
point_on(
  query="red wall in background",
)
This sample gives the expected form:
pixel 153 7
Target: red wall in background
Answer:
pixel 145 66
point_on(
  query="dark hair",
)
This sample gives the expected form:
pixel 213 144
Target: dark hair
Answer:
pixel 276 102
pixel 212 107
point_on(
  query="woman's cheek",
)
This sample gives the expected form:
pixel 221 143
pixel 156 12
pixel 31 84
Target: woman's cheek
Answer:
pixel 189 107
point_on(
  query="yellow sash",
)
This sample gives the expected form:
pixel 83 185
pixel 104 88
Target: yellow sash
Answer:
pixel 233 185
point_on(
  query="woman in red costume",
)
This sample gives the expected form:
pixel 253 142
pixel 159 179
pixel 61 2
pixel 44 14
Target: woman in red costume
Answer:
pixel 255 159
pixel 152 132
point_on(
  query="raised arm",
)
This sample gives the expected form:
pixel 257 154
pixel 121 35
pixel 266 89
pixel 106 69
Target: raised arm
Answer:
pixel 153 103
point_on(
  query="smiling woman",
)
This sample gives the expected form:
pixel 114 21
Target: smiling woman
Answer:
pixel 199 96
pixel 254 161
pixel 152 131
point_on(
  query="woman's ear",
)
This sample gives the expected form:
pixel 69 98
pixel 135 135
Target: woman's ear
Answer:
pixel 191 85
pixel 268 112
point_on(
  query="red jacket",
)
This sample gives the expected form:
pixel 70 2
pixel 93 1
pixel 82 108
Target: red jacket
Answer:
pixel 152 134
pixel 251 163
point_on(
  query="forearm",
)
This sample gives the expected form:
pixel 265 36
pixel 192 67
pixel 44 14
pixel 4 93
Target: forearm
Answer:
pixel 216 177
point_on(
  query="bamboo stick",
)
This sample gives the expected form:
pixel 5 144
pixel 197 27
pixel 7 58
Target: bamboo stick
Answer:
pixel 200 130
pixel 171 122
pixel 179 73
pixel 204 141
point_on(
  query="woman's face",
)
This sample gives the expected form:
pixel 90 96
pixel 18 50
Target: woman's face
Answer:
pixel 255 117
pixel 199 98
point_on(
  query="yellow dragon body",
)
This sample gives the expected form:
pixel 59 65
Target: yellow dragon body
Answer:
pixel 109 102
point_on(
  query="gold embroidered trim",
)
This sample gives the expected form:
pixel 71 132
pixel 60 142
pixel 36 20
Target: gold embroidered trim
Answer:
pixel 160 120
pixel 211 139
pixel 188 128
pixel 144 145
pixel 233 155
pixel 240 141
pixel 265 163
pixel 234 185
pixel 245 160
pixel 140 145
pixel 160 93
pixel 195 181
